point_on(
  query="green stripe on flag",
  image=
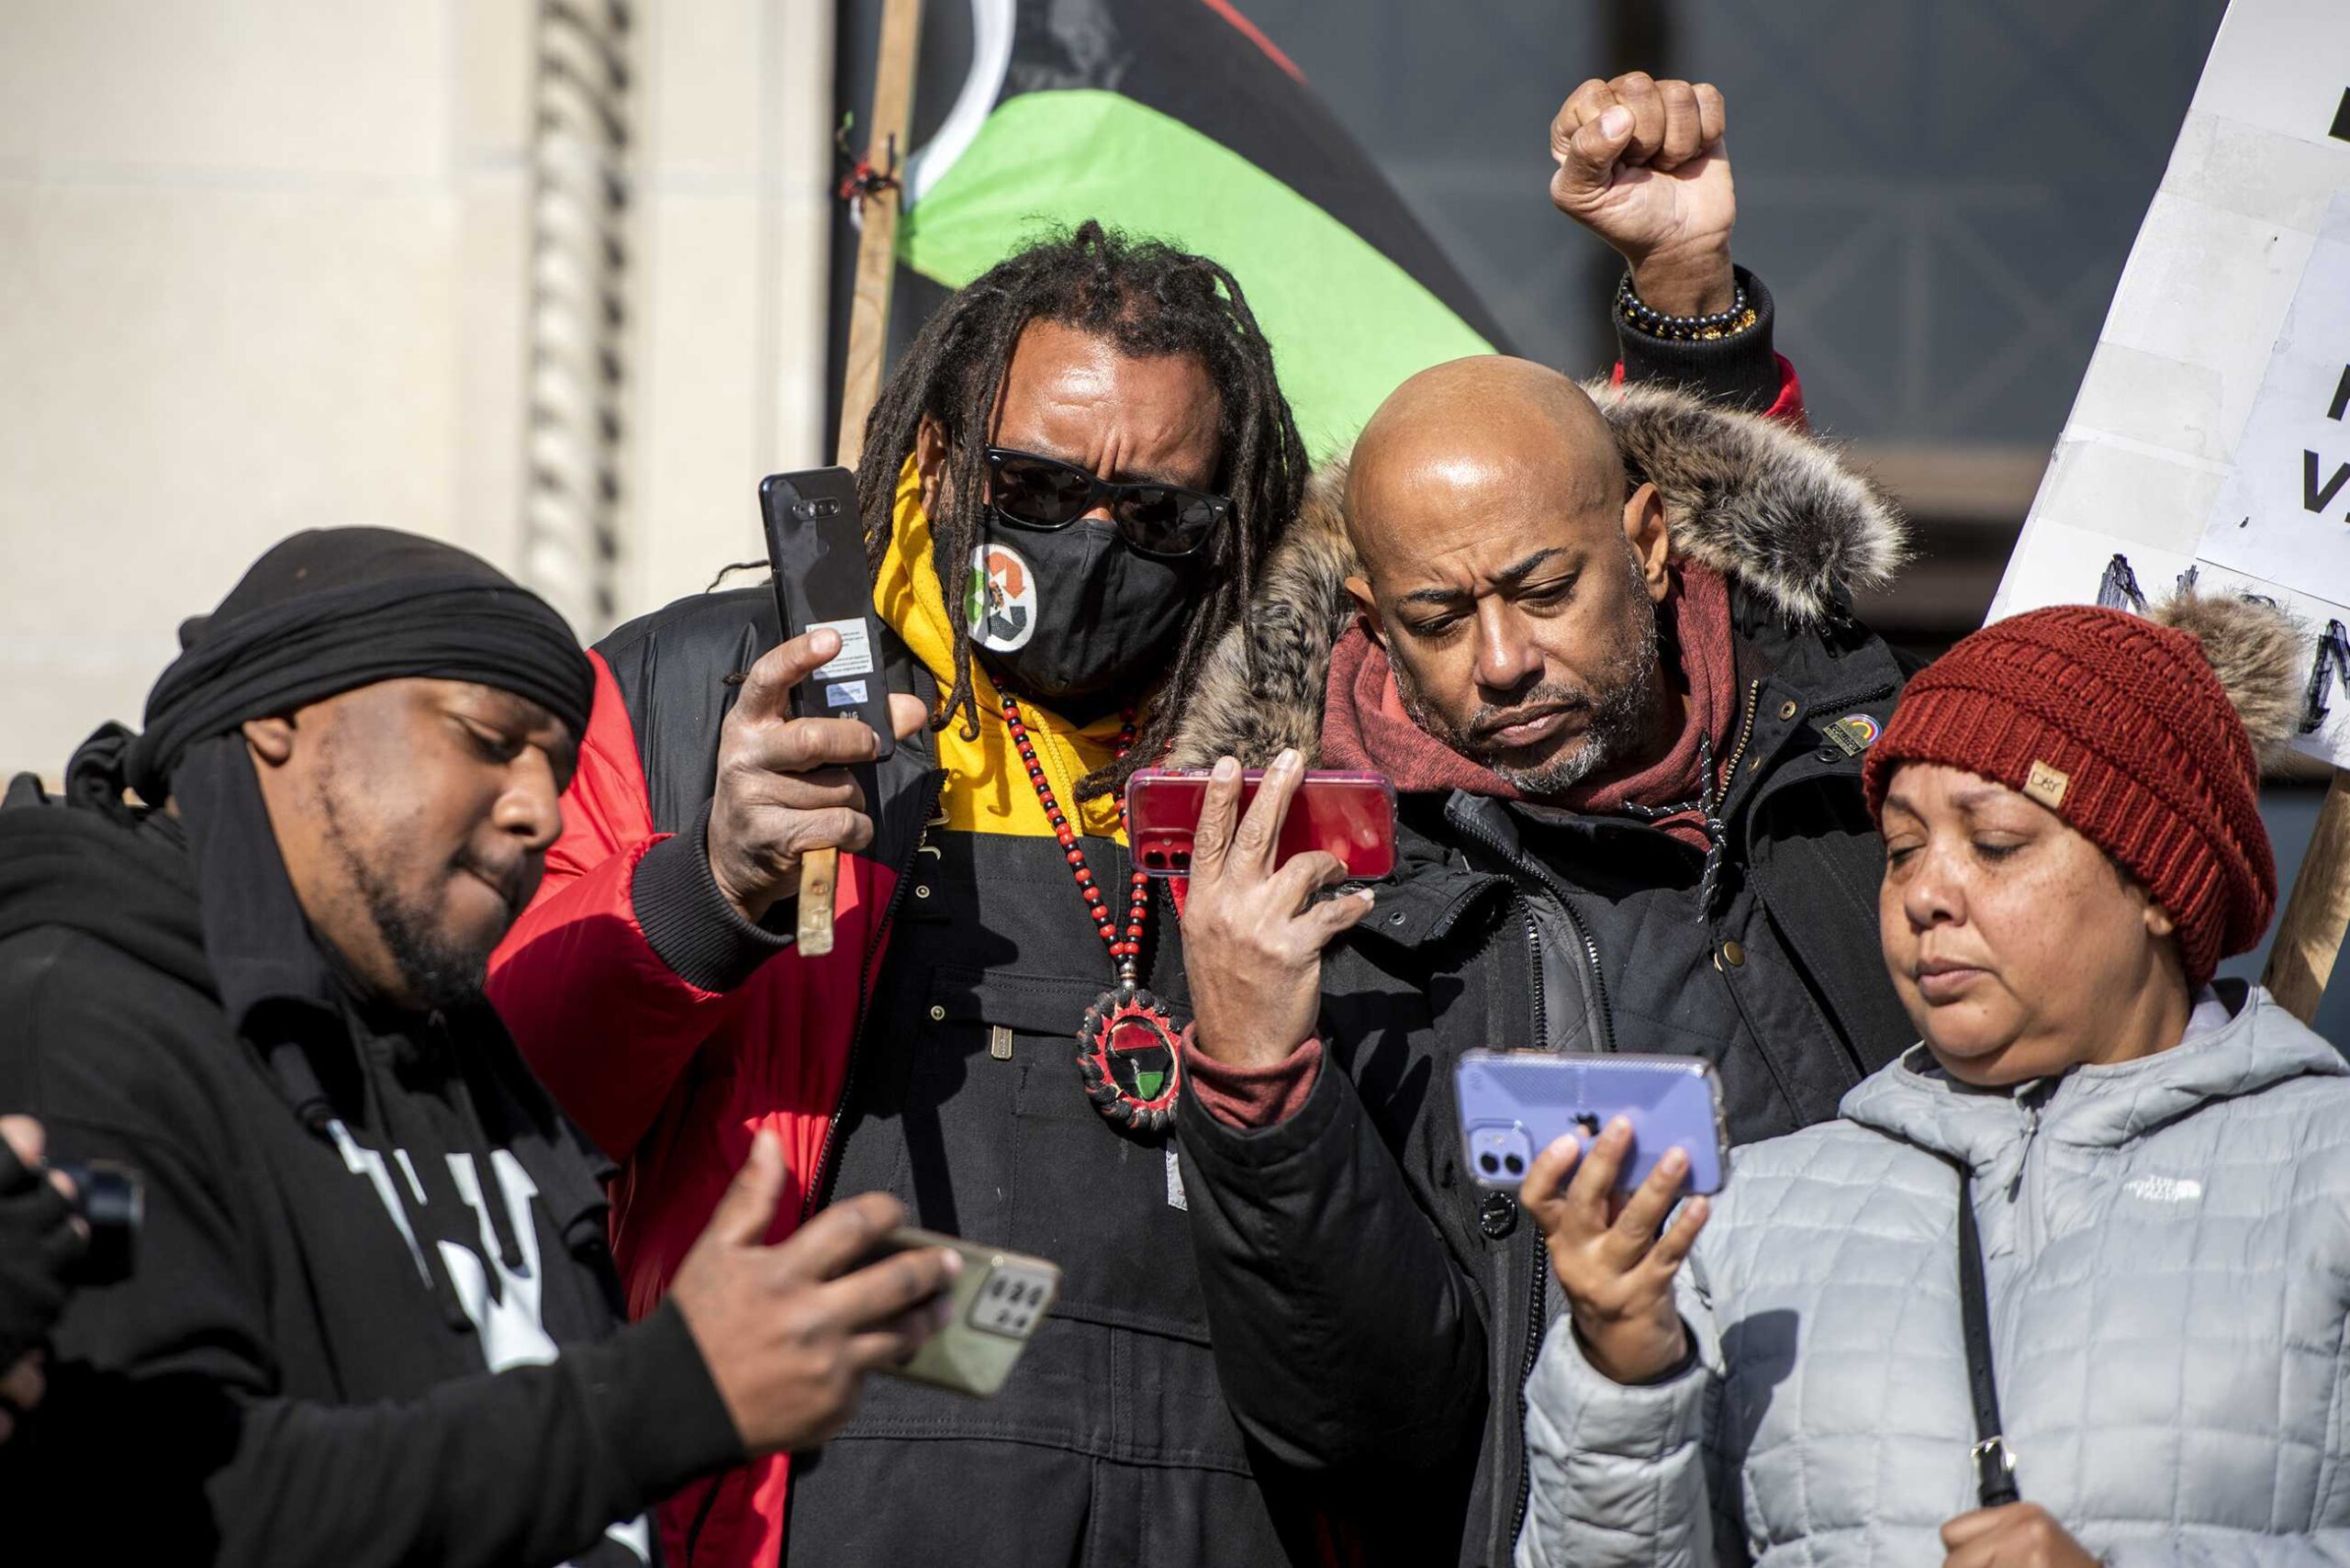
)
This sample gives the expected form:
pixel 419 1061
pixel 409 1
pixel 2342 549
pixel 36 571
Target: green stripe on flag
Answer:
pixel 1346 323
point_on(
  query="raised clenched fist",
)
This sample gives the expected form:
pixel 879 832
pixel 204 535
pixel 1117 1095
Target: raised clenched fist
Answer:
pixel 1642 165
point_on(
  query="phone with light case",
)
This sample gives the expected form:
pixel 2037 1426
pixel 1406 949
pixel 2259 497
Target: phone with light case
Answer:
pixel 1515 1104
pixel 1000 1299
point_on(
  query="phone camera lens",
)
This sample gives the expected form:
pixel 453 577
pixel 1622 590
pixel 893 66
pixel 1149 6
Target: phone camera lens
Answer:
pixel 1515 1166
pixel 1182 859
pixel 1488 1164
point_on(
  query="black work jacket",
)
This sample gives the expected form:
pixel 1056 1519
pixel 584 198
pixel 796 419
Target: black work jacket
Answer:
pixel 1375 1311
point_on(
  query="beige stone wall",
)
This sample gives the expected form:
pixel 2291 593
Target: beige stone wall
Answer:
pixel 263 266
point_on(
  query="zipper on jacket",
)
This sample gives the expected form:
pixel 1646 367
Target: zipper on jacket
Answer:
pixel 1589 952
pixel 1538 1288
pixel 1523 868
pixel 701 1517
pixel 1534 967
pixel 2023 1191
pixel 1745 734
pixel 1538 1298
pixel 812 1196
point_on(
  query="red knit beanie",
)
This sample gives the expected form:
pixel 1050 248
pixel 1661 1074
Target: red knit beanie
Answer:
pixel 2119 726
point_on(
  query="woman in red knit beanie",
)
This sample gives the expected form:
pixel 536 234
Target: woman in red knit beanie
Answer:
pixel 2157 1169
pixel 2071 810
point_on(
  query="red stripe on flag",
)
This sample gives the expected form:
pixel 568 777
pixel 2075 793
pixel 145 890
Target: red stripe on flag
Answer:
pixel 1248 30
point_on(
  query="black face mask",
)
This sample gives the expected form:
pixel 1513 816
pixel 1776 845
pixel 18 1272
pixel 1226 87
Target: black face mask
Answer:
pixel 1073 618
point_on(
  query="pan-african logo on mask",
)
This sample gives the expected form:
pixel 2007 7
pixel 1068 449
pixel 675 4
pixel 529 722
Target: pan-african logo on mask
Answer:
pixel 1001 602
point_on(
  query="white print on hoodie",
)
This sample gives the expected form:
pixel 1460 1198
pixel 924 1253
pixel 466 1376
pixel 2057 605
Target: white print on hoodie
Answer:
pixel 511 1331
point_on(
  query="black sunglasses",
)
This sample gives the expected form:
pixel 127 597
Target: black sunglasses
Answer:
pixel 1044 493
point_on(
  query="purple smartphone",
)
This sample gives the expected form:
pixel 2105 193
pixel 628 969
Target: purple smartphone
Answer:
pixel 1514 1105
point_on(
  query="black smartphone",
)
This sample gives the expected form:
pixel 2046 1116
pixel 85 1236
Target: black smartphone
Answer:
pixel 816 545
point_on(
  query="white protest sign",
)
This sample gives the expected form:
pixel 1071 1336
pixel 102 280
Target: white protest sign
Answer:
pixel 2211 433
pixel 2286 499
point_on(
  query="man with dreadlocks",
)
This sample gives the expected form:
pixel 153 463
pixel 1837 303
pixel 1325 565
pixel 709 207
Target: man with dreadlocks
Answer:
pixel 1068 486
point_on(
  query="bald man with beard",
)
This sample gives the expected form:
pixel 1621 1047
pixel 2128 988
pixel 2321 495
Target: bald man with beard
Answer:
pixel 1557 646
pixel 1600 640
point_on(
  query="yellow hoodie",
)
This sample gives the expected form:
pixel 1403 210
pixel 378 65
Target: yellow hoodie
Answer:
pixel 987 788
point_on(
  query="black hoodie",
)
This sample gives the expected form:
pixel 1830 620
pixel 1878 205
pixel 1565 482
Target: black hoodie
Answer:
pixel 353 1218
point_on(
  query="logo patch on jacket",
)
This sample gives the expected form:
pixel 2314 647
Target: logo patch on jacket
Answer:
pixel 1852 735
pixel 2165 1188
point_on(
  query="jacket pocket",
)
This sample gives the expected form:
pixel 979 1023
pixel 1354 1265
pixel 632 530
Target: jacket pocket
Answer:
pixel 1102 1202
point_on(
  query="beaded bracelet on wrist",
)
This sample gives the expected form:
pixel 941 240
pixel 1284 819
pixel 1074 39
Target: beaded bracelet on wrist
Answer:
pixel 1642 316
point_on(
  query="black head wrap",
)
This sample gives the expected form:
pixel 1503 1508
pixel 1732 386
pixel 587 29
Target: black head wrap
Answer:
pixel 333 609
pixel 327 611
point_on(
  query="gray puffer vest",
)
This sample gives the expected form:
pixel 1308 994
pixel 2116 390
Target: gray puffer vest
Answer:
pixel 2167 1244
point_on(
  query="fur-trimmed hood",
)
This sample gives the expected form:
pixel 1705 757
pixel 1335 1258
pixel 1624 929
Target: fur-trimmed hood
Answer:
pixel 1773 510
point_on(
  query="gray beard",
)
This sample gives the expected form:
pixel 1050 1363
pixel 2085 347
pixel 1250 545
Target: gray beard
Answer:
pixel 1618 704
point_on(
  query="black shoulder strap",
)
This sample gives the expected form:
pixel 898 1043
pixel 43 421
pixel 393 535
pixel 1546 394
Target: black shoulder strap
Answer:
pixel 1995 1466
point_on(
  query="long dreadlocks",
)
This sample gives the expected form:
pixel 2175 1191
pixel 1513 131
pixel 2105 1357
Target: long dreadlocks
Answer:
pixel 1149 299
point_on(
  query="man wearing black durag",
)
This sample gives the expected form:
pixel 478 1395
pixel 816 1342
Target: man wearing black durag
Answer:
pixel 373 1317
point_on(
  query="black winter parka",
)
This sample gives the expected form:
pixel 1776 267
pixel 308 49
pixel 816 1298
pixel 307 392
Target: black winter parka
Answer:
pixel 1373 1311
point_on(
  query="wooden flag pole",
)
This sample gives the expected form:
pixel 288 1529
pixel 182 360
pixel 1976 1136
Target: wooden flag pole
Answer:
pixel 2309 934
pixel 869 342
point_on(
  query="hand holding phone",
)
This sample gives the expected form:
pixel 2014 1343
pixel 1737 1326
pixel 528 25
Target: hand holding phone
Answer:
pixel 1614 1255
pixel 1600 1148
pixel 787 1331
pixel 998 1300
pixel 1351 815
pixel 1255 925
pixel 816 548
pixel 784 790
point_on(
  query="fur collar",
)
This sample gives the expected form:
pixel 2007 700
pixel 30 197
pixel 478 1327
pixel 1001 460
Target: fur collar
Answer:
pixel 1773 510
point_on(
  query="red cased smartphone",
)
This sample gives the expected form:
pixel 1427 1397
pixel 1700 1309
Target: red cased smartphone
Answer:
pixel 816 546
pixel 1351 815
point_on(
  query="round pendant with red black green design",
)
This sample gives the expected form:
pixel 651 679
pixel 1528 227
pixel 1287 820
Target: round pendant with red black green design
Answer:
pixel 1130 1056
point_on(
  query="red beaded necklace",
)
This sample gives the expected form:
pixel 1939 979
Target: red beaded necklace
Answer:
pixel 1127 1055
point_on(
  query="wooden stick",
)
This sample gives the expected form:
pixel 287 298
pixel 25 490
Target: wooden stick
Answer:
pixel 869 305
pixel 2308 936
pixel 868 346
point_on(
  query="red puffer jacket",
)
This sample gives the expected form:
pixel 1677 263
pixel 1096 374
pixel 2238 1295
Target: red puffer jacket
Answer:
pixel 652 1032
